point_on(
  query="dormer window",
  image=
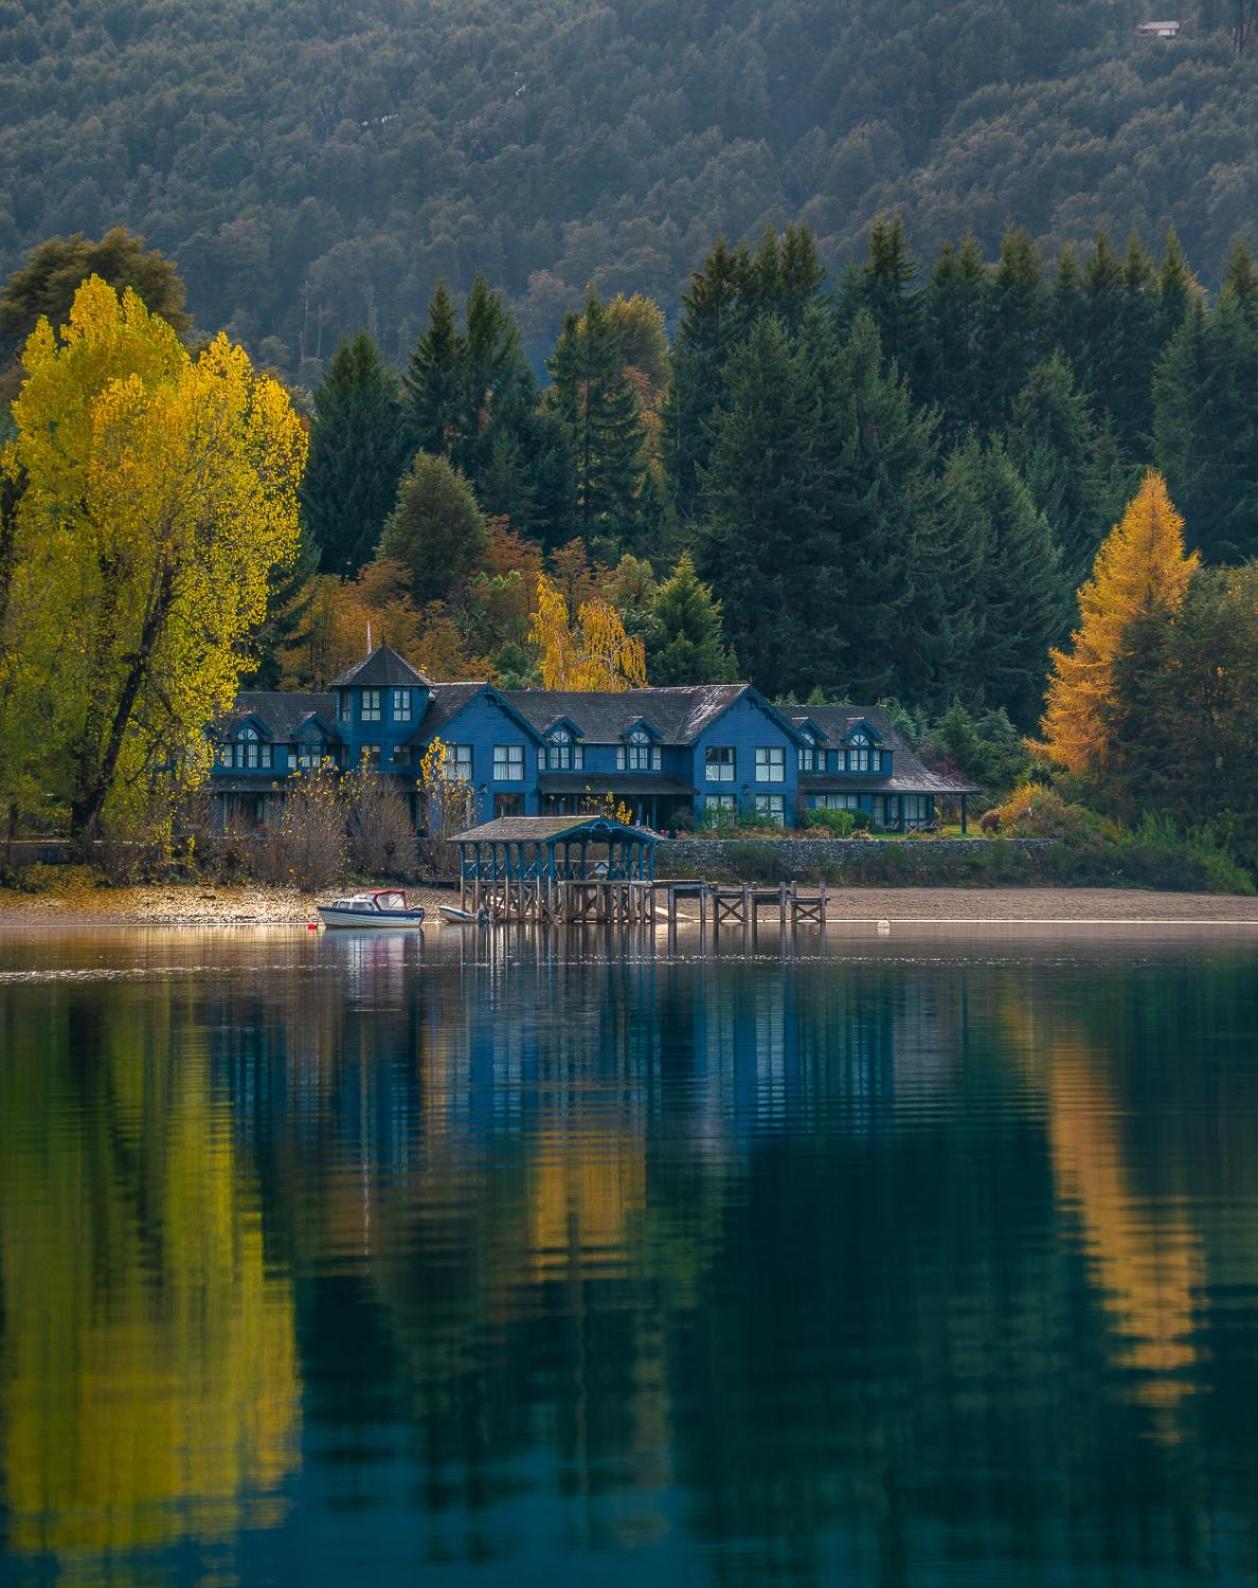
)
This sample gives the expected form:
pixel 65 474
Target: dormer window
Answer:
pixel 250 753
pixel 371 705
pixel 808 753
pixel 561 753
pixel 637 753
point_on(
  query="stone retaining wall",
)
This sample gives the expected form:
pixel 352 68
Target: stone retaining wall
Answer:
pixel 915 861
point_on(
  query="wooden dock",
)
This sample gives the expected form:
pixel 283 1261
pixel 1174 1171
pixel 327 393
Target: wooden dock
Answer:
pixel 740 905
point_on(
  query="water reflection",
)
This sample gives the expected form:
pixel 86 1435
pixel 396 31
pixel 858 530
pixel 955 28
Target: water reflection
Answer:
pixel 891 1263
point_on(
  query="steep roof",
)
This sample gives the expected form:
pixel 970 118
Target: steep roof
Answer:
pixel 909 775
pixel 280 711
pixel 679 713
pixel 383 668
pixel 445 702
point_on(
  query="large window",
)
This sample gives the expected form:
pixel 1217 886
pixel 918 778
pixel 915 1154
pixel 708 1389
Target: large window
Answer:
pixel 719 802
pixel 508 805
pixel 772 806
pixel 459 763
pixel 638 754
pixel 835 802
pixel 915 807
pixel 718 763
pixel 371 705
pixel 310 755
pixel 401 705
pixel 250 753
pixel 508 763
pixel 770 763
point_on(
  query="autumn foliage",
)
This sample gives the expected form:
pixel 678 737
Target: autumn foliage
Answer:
pixel 595 652
pixel 1140 570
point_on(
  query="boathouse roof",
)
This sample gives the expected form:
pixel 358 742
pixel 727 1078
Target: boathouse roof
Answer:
pixel 550 829
pixel 383 668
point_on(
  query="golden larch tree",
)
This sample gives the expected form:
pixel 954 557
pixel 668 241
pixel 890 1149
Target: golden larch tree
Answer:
pixel 1140 569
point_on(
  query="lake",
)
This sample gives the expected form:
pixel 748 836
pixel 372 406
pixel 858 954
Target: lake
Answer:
pixel 514 1258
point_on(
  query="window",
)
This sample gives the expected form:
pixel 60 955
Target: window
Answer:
pixel 369 756
pixel 808 754
pixel 719 802
pixel 508 804
pixel 508 763
pixel 264 754
pixel 915 807
pixel 344 711
pixel 310 755
pixel 834 802
pixel 227 755
pixel 401 705
pixel 563 755
pixel 773 806
pixel 718 763
pixel 371 705
pixel 638 754
pixel 770 763
pixel 459 763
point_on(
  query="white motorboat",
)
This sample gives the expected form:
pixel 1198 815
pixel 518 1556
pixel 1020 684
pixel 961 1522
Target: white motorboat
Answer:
pixel 457 917
pixel 384 907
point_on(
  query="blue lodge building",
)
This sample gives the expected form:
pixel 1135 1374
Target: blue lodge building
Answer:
pixel 671 755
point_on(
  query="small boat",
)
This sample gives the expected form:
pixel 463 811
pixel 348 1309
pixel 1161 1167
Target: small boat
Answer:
pixel 457 917
pixel 384 907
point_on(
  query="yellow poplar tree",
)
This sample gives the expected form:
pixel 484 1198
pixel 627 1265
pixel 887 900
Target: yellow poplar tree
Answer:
pixel 595 653
pixel 160 500
pixel 1141 568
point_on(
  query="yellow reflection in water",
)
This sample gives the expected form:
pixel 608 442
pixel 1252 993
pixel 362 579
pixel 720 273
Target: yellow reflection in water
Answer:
pixel 1146 1257
pixel 587 1183
pixel 150 1380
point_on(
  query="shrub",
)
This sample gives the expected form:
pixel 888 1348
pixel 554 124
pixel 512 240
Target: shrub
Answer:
pixel 382 841
pixel 832 824
pixel 1035 811
pixel 307 849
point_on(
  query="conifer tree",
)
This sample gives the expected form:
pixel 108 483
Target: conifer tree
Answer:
pixel 434 378
pixel 1060 451
pixel 602 416
pixel 887 289
pixel 1141 569
pixel 1177 289
pixel 956 313
pixel 1206 426
pixel 685 642
pixel 436 531
pixel 358 450
pixel 758 548
pixel 1067 309
pixel 1016 330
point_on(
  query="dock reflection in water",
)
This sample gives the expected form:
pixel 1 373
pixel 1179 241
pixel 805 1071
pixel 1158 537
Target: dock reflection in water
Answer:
pixel 513 1256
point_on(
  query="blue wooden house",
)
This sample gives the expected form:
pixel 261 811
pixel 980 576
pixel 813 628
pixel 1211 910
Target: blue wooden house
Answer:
pixel 671 755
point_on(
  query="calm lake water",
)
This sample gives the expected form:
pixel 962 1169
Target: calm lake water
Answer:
pixel 334 1260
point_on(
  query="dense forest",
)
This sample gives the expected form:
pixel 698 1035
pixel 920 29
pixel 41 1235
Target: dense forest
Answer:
pixel 316 168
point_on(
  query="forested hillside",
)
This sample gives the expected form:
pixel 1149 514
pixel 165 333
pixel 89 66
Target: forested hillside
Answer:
pixel 313 167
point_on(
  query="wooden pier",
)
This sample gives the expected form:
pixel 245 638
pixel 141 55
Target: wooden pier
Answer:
pixel 740 905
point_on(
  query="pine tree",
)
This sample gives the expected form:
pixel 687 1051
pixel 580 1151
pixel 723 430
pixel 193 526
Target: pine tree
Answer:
pixel 434 379
pixel 714 317
pixel 1068 309
pixel 1177 289
pixel 761 513
pixel 886 289
pixel 956 312
pixel 1018 592
pixel 1059 450
pixel 1206 426
pixel 436 530
pixel 602 415
pixel 358 450
pixel 1141 569
pixel 1017 326
pixel 685 642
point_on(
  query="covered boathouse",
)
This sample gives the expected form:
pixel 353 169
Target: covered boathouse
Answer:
pixel 557 868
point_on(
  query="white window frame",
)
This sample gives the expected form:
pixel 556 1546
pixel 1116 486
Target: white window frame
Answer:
pixel 460 759
pixel 772 806
pixel 401 705
pixel 723 771
pixel 720 802
pixel 834 802
pixel 770 763
pixel 371 708
pixel 507 757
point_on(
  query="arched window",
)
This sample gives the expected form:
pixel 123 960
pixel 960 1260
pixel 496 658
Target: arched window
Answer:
pixel 637 754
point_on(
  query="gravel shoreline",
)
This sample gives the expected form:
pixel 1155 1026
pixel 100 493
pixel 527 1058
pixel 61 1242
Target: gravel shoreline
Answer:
pixel 207 905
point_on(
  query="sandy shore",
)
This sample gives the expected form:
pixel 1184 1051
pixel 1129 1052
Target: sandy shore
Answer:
pixel 209 905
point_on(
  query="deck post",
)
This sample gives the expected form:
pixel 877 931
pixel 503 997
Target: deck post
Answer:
pixel 964 814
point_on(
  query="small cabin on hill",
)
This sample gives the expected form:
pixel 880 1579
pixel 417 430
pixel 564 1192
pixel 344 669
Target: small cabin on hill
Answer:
pixel 1159 30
